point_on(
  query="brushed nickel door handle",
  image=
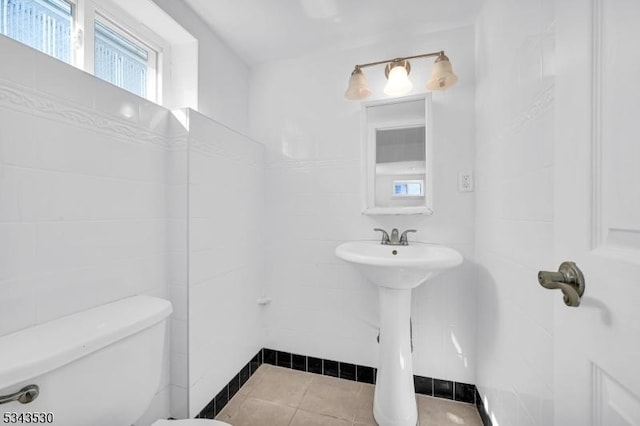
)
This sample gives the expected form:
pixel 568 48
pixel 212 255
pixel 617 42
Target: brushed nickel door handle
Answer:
pixel 23 396
pixel 568 279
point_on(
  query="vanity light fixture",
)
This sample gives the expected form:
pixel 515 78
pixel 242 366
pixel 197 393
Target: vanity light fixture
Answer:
pixel 397 71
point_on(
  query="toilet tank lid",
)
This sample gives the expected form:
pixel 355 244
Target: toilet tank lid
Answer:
pixel 36 350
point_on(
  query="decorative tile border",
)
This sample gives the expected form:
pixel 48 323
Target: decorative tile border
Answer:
pixel 209 148
pixel 541 104
pixel 306 164
pixel 30 101
pixel 461 392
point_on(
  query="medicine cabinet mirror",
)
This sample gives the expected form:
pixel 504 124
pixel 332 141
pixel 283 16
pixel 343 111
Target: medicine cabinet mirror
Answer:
pixel 397 172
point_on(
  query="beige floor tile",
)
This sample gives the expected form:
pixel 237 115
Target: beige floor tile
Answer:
pixel 232 408
pixel 443 412
pixel 281 386
pixel 364 412
pixel 332 397
pixel 256 378
pixel 255 412
pixel 271 397
pixel 306 418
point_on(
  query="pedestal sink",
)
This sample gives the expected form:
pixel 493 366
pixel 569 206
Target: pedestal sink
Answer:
pixel 395 270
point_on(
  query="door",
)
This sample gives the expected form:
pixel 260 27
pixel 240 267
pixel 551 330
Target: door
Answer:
pixel 597 211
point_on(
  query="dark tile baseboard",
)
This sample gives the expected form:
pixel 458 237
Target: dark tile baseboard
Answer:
pixel 486 419
pixel 447 389
pixel 224 396
pixel 326 367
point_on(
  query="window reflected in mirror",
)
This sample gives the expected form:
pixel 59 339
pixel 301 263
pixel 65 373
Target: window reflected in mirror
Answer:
pixel 396 153
pixel 400 166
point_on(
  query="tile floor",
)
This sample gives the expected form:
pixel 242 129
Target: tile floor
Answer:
pixel 276 396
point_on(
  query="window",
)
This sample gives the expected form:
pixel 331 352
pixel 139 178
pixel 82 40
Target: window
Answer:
pixel 54 27
pixel 123 60
pixel 408 188
pixel 125 42
pixel 42 24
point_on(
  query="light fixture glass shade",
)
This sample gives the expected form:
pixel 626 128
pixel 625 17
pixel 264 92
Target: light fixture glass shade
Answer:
pixel 358 86
pixel 442 76
pixel 398 83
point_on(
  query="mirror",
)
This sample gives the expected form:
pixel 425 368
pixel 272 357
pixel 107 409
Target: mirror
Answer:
pixel 396 156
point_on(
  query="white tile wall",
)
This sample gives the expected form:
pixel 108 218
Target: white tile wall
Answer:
pixel 94 201
pixel 226 246
pixel 321 306
pixel 514 228
pixel 86 179
pixel 177 267
pixel 78 214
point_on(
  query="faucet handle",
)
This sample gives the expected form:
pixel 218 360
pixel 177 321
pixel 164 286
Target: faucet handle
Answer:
pixel 403 238
pixel 385 236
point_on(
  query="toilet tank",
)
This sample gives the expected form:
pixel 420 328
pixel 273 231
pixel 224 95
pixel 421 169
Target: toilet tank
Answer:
pixel 99 367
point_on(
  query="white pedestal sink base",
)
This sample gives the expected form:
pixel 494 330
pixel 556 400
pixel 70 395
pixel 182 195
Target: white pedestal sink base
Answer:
pixel 396 269
pixel 394 402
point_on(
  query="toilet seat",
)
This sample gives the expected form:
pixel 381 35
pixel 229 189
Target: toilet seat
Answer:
pixel 190 422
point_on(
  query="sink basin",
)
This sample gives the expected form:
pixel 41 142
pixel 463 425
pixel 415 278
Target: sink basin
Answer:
pixel 398 266
pixel 396 270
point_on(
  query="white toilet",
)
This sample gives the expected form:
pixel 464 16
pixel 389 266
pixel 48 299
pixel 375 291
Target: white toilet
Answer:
pixel 99 367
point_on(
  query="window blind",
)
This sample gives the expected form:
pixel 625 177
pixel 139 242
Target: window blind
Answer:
pixel 42 24
pixel 120 61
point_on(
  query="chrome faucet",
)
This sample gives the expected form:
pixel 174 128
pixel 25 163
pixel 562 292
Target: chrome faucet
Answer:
pixel 403 238
pixel 393 240
pixel 385 236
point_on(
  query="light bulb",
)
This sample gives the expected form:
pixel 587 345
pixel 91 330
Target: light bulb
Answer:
pixel 398 83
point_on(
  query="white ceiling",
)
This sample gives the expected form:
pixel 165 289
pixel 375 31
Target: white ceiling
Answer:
pixel 260 30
